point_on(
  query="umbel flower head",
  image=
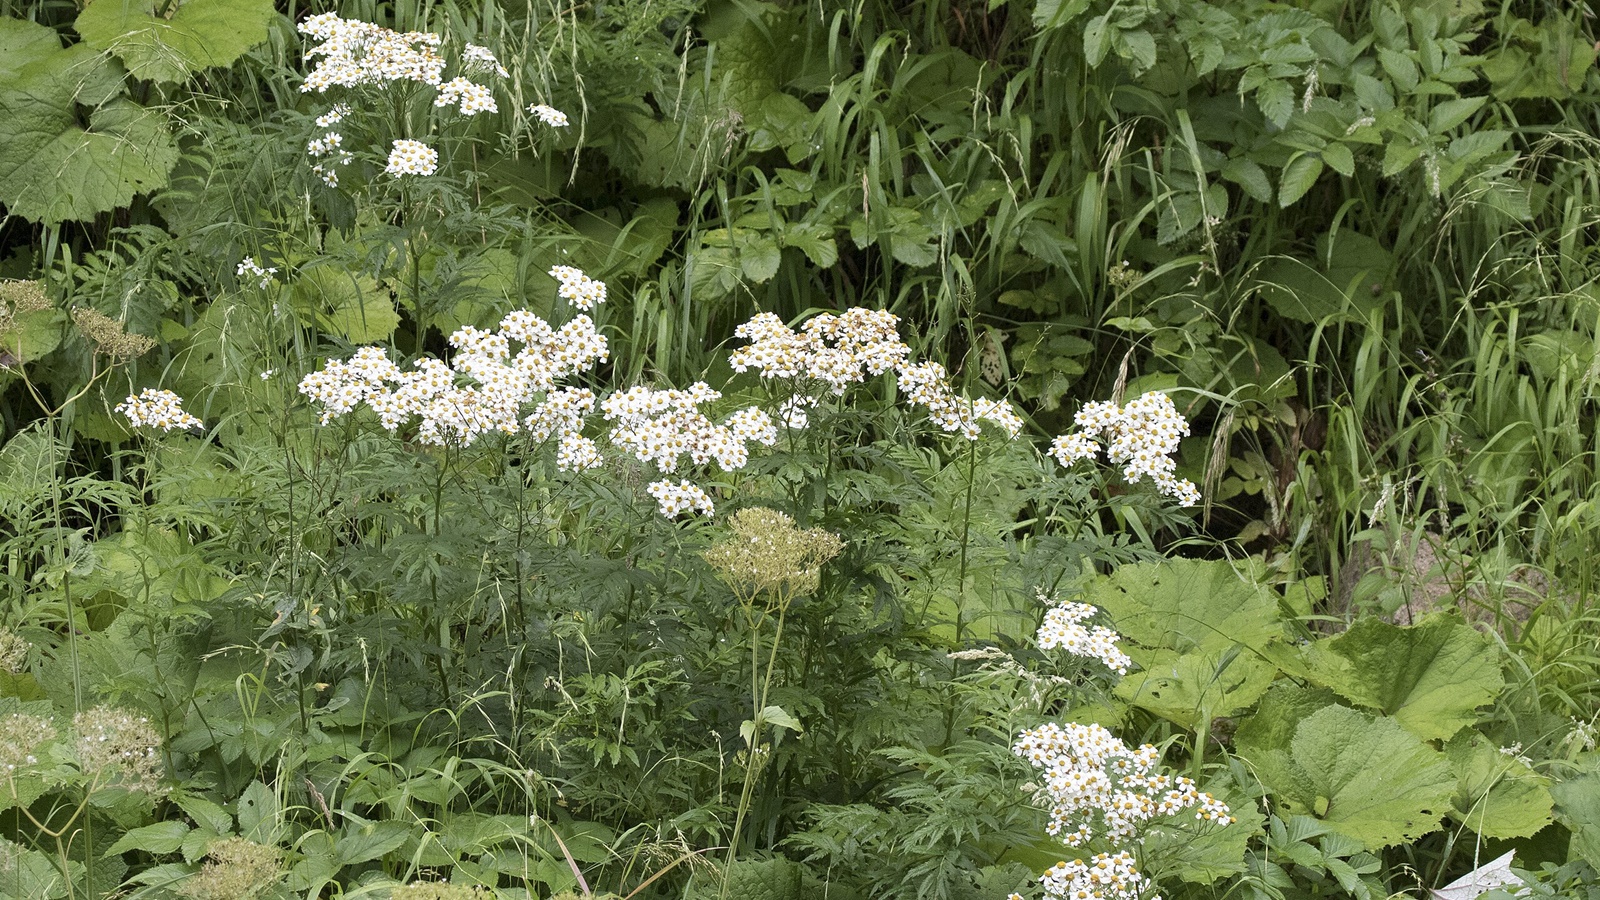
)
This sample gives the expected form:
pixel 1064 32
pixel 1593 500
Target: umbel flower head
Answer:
pixel 21 737
pixel 236 869
pixel 764 553
pixel 119 749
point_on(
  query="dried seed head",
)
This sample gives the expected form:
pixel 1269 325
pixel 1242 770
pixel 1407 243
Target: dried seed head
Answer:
pixel 765 553
pixel 437 890
pixel 109 337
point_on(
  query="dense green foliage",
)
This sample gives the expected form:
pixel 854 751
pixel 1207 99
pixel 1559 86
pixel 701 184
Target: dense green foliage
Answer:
pixel 1354 240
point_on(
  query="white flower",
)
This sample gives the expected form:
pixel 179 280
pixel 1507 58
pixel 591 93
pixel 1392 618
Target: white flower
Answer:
pixel 548 115
pixel 412 158
pixel 1063 629
pixel 577 288
pixel 333 116
pixel 481 59
pixel 1141 437
pixel 247 266
pixel 677 498
pixel 473 98
pixel 157 409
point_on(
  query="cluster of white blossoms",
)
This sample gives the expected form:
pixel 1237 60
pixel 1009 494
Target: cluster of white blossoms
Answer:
pixel 1108 876
pixel 352 55
pixel 577 288
pixel 549 115
pixel 481 61
pixel 841 350
pixel 1141 437
pixel 1098 787
pixel 485 389
pixel 660 427
pixel 157 408
pixel 247 266
pixel 355 54
pixel 411 158
pixel 1063 629
pixel 121 748
pixel 471 98
pixel 678 497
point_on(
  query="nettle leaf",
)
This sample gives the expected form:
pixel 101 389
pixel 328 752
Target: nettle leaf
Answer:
pixel 1497 794
pixel 199 34
pixel 71 145
pixel 1430 677
pixel 1367 778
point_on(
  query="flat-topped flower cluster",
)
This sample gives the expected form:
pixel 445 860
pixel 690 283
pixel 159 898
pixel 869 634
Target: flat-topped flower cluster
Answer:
pixel 1141 437
pixel 352 55
pixel 841 350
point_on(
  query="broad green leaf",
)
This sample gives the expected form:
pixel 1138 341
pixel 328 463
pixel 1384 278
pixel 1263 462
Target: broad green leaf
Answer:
pixel 364 843
pixel 1276 99
pixel 1577 806
pixel 815 241
pixel 1186 605
pixel 1367 778
pixel 1282 709
pixel 1249 175
pixel 1191 688
pixel 1298 177
pixel 1451 113
pixel 759 257
pixel 70 146
pixel 23 42
pixel 1431 677
pixel 1055 13
pixel 198 34
pixel 1340 159
pixel 354 307
pixel 162 837
pixel 258 813
pixel 1497 795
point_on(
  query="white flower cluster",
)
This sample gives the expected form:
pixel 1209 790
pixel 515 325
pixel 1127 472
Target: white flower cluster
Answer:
pixel 481 60
pixel 577 288
pixel 841 350
pixel 662 426
pixel 1098 787
pixel 247 266
pixel 471 98
pixel 356 53
pixel 1063 629
pixel 116 744
pixel 1108 876
pixel 678 497
pixel 1141 437
pixel 549 115
pixel 158 409
pixel 412 158
pixel 21 736
pixel 484 390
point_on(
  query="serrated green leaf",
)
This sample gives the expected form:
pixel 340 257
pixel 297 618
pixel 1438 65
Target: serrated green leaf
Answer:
pixel 1282 709
pixel 23 42
pixel 1250 176
pixel 53 166
pixel 1276 99
pixel 1190 688
pixel 162 837
pixel 1340 159
pixel 1497 795
pixel 815 241
pixel 1451 113
pixel 1365 777
pixel 1399 155
pixel 1298 177
pixel 759 257
pixel 364 843
pixel 198 34
pixel 1431 677
pixel 258 813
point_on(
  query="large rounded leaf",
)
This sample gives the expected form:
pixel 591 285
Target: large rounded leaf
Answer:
pixel 1431 677
pixel 1367 778
pixel 197 35
pixel 71 146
